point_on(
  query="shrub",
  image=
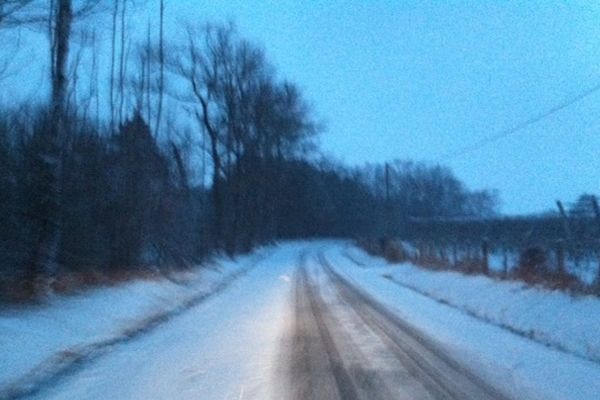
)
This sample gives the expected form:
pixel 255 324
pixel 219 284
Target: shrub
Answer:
pixel 533 261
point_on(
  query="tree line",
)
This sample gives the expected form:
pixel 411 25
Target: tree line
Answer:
pixel 176 148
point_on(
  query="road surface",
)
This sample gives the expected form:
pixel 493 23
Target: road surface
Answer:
pixel 347 346
pixel 291 328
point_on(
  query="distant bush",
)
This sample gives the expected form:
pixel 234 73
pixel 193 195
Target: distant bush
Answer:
pixel 533 261
pixel 394 252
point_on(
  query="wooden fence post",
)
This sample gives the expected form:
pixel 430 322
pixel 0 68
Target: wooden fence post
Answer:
pixel 565 221
pixel 505 262
pixel 454 255
pixel 560 256
pixel 569 245
pixel 485 252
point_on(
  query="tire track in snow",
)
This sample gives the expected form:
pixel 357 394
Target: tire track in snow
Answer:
pixel 317 367
pixel 442 376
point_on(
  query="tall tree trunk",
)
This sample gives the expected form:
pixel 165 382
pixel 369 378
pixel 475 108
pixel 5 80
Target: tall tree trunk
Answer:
pixel 122 62
pixel 112 65
pixel 161 59
pixel 148 76
pixel 50 179
pixel 217 188
pixel 62 33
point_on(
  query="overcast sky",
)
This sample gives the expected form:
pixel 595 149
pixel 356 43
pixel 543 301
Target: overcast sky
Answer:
pixel 420 80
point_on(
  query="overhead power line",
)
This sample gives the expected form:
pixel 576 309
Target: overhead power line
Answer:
pixel 501 135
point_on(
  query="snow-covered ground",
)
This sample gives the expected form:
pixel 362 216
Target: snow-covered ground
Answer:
pixel 34 340
pixel 552 317
pixel 229 346
pixel 474 317
pixel 226 348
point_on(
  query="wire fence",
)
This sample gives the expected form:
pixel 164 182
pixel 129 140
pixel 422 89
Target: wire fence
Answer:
pixel 561 249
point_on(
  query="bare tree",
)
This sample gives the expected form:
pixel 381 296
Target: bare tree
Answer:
pixel 247 118
pixel 112 100
pixel 193 66
pixel 161 60
pixel 61 42
pixel 94 90
pixel 148 73
pixel 12 12
pixel 139 81
pixel 122 61
pixel 59 21
pixel 50 160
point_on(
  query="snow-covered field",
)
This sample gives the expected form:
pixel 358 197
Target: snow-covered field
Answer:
pixel 477 317
pixel 35 340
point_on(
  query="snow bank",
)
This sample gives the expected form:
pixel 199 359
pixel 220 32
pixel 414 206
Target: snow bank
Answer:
pixel 557 319
pixel 31 337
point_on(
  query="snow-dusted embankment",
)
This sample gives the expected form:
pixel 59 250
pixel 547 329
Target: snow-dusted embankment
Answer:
pixel 557 319
pixel 525 368
pixel 38 341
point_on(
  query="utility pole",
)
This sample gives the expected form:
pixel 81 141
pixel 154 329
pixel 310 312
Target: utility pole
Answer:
pixel 560 252
pixel 565 220
pixel 388 207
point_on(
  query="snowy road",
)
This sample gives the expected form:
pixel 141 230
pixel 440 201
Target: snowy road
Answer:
pixel 347 346
pixel 227 347
pixel 298 325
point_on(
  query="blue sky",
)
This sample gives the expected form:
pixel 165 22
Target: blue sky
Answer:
pixel 419 80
